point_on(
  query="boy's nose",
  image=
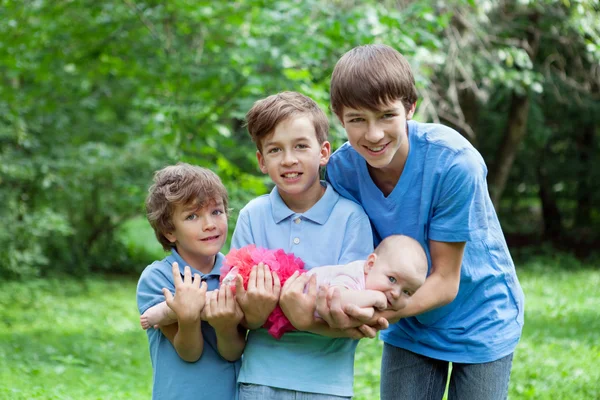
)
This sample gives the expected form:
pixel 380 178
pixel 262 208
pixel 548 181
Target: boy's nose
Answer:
pixel 209 224
pixel 289 159
pixel 374 133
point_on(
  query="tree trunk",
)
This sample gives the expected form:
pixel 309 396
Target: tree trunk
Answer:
pixel 505 156
pixel 585 145
pixel 550 212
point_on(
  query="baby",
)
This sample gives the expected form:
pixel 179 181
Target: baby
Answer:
pixel 385 280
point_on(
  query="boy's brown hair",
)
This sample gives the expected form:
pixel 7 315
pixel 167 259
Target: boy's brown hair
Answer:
pixel 267 113
pixel 372 77
pixel 180 184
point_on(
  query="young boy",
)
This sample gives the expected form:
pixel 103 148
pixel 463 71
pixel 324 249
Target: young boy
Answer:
pixel 426 181
pixel 305 216
pixel 386 280
pixel 187 208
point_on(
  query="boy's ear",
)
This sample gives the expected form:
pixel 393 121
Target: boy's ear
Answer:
pixel 325 153
pixel 411 112
pixel 170 237
pixel 261 162
pixel 370 262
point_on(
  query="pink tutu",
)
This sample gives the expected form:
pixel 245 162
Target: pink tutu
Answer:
pixel 241 262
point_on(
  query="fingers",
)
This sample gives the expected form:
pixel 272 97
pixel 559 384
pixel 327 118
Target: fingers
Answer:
pixel 187 275
pixel 203 287
pixel 239 287
pixel 383 323
pixel 176 274
pixel 252 278
pixel 276 284
pixel 197 280
pixel 268 278
pixel 367 331
pixel 312 286
pixel 290 281
pixel 229 300
pixel 260 277
pixel 168 296
pixel 361 314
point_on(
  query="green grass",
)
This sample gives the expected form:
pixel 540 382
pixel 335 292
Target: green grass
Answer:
pixel 68 339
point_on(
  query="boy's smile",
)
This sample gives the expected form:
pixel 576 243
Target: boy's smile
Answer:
pixel 380 137
pixel 292 156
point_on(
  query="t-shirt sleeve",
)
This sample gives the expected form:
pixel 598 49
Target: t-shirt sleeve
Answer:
pixel 358 239
pixel 462 210
pixel 242 234
pixel 335 176
pixel 150 285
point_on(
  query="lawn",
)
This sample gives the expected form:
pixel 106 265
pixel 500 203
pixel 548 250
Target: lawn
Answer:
pixel 80 339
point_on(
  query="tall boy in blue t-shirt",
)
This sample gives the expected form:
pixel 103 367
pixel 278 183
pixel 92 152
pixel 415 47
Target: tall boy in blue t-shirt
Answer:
pixel 191 359
pixel 305 216
pixel 428 182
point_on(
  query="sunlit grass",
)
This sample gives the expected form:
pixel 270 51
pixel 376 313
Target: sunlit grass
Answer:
pixel 80 339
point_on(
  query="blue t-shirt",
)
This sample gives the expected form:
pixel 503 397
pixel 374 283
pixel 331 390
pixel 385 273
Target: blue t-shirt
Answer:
pixel 211 377
pixel 333 231
pixel 442 195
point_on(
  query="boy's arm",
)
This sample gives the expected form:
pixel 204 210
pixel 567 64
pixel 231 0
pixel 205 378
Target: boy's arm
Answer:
pixel 224 314
pixel 262 294
pixel 439 289
pixel 187 304
pixel 299 308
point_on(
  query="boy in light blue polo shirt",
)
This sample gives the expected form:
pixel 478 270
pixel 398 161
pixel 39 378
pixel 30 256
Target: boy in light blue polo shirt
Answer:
pixel 187 207
pixel 305 216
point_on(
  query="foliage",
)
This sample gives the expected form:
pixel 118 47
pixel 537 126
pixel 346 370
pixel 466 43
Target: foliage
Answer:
pixel 80 339
pixel 95 96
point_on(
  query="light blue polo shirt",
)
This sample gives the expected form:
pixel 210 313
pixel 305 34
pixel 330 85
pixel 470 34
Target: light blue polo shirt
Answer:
pixel 334 231
pixel 442 195
pixel 211 377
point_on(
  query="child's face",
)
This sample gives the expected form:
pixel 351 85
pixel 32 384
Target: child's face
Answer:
pixel 199 232
pixel 398 280
pixel 292 155
pixel 377 136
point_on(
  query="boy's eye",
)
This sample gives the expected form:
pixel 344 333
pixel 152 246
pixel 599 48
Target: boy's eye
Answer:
pixel 273 150
pixel 407 292
pixel 302 146
pixel 392 279
pixel 355 120
pixel 218 212
pixel 191 217
pixel 388 116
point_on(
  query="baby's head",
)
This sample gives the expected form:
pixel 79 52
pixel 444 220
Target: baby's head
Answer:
pixel 397 267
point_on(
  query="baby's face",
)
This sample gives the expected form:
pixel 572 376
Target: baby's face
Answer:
pixel 398 280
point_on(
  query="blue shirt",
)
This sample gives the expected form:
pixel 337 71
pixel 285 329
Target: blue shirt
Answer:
pixel 333 231
pixel 442 195
pixel 211 377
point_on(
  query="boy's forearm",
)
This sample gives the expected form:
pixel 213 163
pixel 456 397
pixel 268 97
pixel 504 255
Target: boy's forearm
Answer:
pixel 231 343
pixel 188 341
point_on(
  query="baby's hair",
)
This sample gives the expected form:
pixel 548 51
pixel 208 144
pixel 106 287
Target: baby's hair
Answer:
pixel 371 76
pixel 394 244
pixel 180 184
pixel 266 114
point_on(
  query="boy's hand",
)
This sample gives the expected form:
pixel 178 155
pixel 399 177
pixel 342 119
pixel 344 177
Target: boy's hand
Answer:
pixel 299 307
pixel 189 295
pixel 330 309
pixel 222 311
pixel 261 297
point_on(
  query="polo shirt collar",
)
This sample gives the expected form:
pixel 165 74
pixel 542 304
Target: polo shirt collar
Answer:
pixel 174 256
pixel 318 213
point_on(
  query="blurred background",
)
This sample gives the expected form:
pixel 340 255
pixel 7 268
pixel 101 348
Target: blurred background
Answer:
pixel 97 95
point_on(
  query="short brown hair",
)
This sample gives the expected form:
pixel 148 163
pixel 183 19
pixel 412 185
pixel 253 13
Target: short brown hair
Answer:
pixel 180 184
pixel 371 76
pixel 266 114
